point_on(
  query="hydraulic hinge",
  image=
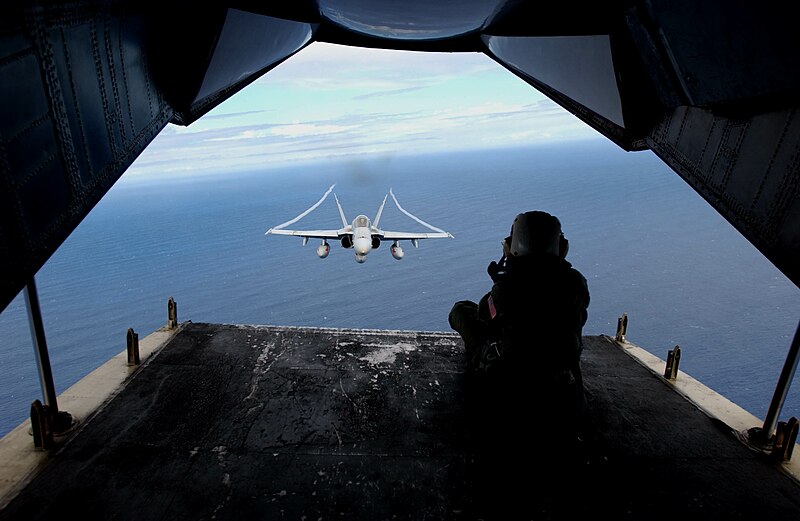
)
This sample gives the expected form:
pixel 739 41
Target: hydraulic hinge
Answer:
pixel 785 439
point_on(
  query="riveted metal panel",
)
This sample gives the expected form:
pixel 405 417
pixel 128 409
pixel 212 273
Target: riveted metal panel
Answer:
pixel 747 168
pixel 78 107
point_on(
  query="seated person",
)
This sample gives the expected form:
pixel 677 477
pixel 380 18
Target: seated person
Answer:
pixel 523 339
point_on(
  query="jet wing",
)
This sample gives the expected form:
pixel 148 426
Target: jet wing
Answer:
pixel 410 236
pixel 312 234
pixel 437 233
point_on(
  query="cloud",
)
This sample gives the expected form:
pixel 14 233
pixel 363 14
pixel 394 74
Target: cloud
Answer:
pixel 320 66
pixel 338 102
pixel 233 115
pixel 309 129
pixel 388 92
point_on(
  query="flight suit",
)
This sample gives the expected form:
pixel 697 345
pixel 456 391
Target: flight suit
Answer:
pixel 526 427
pixel 523 339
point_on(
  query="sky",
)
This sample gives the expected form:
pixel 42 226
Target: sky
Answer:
pixel 330 101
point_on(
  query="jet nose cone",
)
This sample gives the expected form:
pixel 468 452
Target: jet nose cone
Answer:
pixel 362 245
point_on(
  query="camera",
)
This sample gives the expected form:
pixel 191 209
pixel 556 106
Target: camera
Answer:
pixel 497 269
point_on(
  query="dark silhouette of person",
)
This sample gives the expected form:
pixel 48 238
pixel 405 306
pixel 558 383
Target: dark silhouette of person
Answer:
pixel 523 343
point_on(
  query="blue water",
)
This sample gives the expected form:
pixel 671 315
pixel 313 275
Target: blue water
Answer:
pixel 648 245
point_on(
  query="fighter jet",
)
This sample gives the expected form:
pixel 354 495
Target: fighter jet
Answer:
pixel 361 235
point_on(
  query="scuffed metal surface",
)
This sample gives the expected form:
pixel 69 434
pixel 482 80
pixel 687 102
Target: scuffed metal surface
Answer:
pixel 256 422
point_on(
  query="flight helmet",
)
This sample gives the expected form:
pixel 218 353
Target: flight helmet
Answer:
pixel 537 232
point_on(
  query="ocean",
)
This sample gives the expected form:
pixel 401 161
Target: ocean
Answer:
pixel 648 245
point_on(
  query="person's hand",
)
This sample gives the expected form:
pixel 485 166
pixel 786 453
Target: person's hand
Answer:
pixel 493 270
pixel 496 269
